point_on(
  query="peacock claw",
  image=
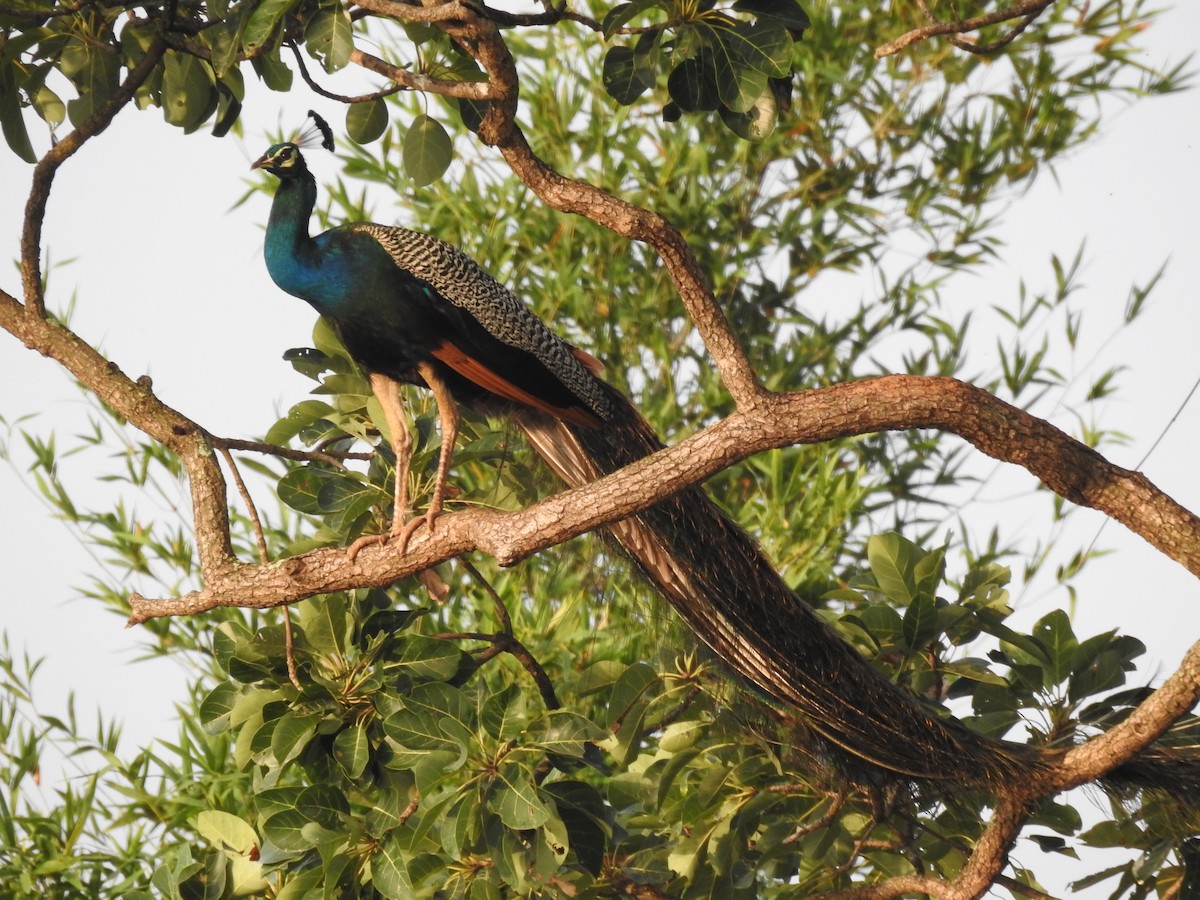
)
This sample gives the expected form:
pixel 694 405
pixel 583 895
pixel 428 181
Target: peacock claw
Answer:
pixel 401 534
pixel 365 541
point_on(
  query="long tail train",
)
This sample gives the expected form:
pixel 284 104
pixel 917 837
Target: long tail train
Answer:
pixel 731 596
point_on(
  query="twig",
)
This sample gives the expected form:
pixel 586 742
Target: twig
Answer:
pixel 332 457
pixel 509 643
pixel 263 558
pixel 839 799
pixel 341 98
pixel 465 90
pixel 1028 9
pixel 251 509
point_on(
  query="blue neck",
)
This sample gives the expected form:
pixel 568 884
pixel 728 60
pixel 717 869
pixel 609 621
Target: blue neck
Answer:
pixel 293 257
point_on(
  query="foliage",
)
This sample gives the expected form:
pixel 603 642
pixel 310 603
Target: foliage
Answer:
pixel 543 731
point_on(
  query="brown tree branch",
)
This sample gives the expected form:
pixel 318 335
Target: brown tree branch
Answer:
pixel 1027 9
pixel 137 403
pixel 466 90
pixel 47 167
pixel 329 457
pixel 890 403
pixel 1177 696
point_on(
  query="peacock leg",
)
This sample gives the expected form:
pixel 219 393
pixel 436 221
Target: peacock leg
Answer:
pixel 448 419
pixel 387 391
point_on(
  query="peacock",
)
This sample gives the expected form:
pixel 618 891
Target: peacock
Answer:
pixel 411 309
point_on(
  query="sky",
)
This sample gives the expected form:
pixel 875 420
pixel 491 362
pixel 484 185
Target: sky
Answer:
pixel 168 280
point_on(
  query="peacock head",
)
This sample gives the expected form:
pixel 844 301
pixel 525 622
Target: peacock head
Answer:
pixel 285 161
pixel 282 160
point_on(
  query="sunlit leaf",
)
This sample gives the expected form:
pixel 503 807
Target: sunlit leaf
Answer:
pixel 427 151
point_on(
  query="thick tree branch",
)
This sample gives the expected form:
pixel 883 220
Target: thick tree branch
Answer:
pixel 1174 699
pixel 136 402
pixel 890 403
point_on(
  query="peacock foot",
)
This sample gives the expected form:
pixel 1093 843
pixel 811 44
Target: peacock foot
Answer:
pixel 401 532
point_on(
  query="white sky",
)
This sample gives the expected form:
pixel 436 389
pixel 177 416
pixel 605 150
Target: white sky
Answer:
pixel 170 282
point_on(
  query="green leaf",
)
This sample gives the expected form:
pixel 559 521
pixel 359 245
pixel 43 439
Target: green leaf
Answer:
pixel 215 709
pixel 692 85
pixel 267 14
pixel 427 151
pixel 345 498
pixel 302 885
pixel 324 805
pixel 515 799
pixel 11 120
pixel 503 715
pixel 625 75
pixel 366 121
pixel 326 623
pixel 389 871
pixel 188 95
pixel 49 106
pixel 892 558
pixel 352 750
pixel 427 659
pixel 292 734
pixel 564 732
pixel 623 13
pixel 883 623
pixel 630 690
pixel 286 830
pixel 1053 631
pixel 273 71
pixel 301 416
pixel 785 13
pixel 229 106
pixel 95 75
pixel 920 622
pixel 582 811
pixel 738 86
pixel 975 670
pixel 300 489
pixel 1049 843
pixel 329 37
pixel 225 830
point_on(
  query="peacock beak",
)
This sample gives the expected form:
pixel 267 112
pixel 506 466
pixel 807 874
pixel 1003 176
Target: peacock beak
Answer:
pixel 262 162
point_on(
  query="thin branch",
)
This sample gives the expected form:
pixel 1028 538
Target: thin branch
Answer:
pixel 465 90
pixel 332 457
pixel 47 167
pixel 264 557
pixel 511 644
pixel 1027 9
pixel 251 509
pixel 340 98
pixel 835 806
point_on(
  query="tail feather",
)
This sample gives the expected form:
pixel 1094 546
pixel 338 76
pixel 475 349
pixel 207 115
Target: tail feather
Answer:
pixel 731 596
